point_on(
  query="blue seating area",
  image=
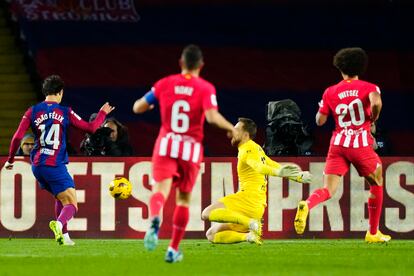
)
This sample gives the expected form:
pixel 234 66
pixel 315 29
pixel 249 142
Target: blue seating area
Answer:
pixel 253 53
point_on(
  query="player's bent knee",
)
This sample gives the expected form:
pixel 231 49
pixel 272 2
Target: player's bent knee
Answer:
pixel 205 214
pixel 374 180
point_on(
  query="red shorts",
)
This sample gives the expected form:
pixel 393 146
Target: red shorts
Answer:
pixel 365 160
pixel 184 173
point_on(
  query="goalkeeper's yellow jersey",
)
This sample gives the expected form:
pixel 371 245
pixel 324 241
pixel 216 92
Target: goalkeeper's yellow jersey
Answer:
pixel 252 167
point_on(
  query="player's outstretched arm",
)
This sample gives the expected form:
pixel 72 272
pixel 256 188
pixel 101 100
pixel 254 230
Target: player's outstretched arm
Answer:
pixel 257 165
pixel 302 177
pixel 17 138
pixel 214 117
pixel 145 103
pixel 91 127
pixel 376 105
pixel 264 166
pixel 290 171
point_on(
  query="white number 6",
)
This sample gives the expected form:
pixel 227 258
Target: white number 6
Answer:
pixel 180 122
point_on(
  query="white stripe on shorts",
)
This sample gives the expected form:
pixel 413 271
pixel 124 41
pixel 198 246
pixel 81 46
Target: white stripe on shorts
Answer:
pixel 163 146
pixel 175 147
pixel 186 151
pixel 196 152
pixel 337 139
pixel 356 141
pixel 364 138
pixel 347 141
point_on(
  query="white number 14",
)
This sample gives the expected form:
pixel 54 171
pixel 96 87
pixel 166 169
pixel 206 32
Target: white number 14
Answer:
pixel 52 137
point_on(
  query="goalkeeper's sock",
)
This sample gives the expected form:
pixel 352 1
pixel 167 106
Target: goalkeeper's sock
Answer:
pixel 375 208
pixel 156 203
pixel 226 215
pixel 58 210
pixel 180 220
pixel 318 196
pixel 229 236
pixel 67 213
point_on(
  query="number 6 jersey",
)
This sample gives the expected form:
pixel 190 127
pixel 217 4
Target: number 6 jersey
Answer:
pixel 183 99
pixel 349 103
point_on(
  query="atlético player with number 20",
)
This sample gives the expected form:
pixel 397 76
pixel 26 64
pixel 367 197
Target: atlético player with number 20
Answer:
pixel 355 105
pixel 185 100
pixel 49 122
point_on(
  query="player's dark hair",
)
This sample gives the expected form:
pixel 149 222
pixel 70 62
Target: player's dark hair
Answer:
pixel 351 61
pixel 52 85
pixel 192 57
pixel 249 126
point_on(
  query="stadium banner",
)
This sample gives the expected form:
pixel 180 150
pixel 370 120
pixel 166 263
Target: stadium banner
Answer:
pixel 25 209
pixel 76 10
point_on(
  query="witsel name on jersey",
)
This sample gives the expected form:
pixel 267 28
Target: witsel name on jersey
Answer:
pixel 348 93
pixel 45 116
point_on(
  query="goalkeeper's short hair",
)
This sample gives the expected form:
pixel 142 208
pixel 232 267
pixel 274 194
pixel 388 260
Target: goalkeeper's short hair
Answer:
pixel 249 126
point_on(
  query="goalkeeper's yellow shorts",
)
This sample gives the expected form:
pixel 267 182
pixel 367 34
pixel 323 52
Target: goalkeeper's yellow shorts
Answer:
pixel 244 204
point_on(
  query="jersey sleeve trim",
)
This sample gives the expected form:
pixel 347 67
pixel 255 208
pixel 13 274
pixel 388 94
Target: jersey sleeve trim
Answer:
pixel 150 97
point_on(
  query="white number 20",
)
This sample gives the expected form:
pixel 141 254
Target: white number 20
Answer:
pixel 343 109
pixel 180 122
pixel 52 137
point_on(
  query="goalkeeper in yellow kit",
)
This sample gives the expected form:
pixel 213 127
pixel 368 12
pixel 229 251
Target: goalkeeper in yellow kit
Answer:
pixel 239 215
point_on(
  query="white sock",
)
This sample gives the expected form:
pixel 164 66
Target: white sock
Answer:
pixel 66 236
pixel 59 224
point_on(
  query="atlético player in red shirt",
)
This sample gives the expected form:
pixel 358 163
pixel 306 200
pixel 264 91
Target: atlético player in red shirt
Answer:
pixel 355 105
pixel 185 100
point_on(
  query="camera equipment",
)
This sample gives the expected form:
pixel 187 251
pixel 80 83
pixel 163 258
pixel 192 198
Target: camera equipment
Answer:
pixel 96 143
pixel 285 132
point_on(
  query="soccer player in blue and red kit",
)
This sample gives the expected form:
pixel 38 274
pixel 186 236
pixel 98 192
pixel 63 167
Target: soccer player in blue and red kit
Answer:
pixel 355 105
pixel 49 122
pixel 185 100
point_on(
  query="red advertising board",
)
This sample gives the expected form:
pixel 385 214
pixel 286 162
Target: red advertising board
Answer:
pixel 25 209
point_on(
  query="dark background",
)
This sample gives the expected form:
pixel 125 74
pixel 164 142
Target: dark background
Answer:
pixel 254 52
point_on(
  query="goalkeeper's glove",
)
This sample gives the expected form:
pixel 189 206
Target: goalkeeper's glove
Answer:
pixel 303 177
pixel 287 171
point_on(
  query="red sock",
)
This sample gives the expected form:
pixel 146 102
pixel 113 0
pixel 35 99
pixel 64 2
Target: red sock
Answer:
pixel 156 203
pixel 375 208
pixel 318 196
pixel 180 220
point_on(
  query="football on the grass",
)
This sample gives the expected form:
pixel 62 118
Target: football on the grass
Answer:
pixel 120 188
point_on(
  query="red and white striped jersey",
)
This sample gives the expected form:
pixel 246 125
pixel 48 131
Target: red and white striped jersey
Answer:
pixel 183 100
pixel 348 102
pixel 179 146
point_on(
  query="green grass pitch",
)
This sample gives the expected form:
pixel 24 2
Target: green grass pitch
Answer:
pixel 274 257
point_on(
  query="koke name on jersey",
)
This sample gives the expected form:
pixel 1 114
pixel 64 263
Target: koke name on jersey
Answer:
pixel 183 90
